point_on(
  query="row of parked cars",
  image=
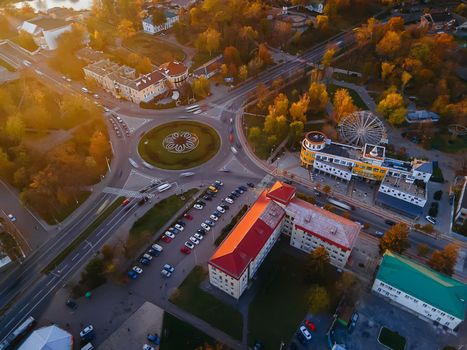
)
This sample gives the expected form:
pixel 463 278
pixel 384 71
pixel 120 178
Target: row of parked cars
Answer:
pixel 145 259
pixel 115 120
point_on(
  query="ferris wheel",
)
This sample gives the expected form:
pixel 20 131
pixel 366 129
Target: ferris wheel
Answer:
pixel 362 127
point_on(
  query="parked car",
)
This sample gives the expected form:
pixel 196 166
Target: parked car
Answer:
pixel 204 226
pixel 181 223
pixel 189 245
pixel 250 184
pixel 154 338
pixel 209 222
pixel 169 268
pixel 213 217
pixel 221 209
pixel 169 234
pixel 148 347
pixel 201 231
pixel 188 216
pixel 153 252
pixel 179 227
pixel 12 217
pixel 201 202
pixel 430 219
pixel 87 333
pixel 217 213
pixel 219 182
pixel 198 206
pixel 207 197
pixel 166 239
pixel 353 321
pixel 144 261
pixel 225 206
pixel 174 230
pixel 243 188
pixel 194 240
pixel 198 236
pixel 147 256
pixel 137 269
pixel 71 304
pixel 310 325
pixel 228 200
pixel 305 332
pixel 166 273
pixel 185 250
pixel 132 274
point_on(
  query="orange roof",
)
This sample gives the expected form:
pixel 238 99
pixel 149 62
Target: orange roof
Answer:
pixel 248 237
pixel 281 192
pixel 174 68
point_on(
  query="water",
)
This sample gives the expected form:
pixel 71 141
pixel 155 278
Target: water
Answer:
pixel 43 5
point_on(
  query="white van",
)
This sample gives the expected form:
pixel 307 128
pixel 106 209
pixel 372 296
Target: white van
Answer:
pixel 86 91
pixel 163 187
pixel 88 346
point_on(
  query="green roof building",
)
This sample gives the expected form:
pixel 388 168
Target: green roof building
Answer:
pixel 421 290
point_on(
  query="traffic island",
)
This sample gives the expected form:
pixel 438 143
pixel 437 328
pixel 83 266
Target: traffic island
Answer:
pixel 179 145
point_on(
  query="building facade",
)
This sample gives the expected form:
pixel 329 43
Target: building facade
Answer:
pixel 277 211
pixel 421 290
pixel 175 72
pixel 45 30
pixel 461 210
pixel 403 184
pixel 170 19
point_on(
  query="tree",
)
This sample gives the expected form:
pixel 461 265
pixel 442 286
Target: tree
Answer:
pixel 282 32
pixel 158 16
pixel 318 300
pixel 343 104
pixel 296 132
pixel 405 78
pixel 212 39
pixel 444 260
pixel 318 97
pixel 317 264
pixel 93 274
pixel 395 239
pixel 386 70
pixel 126 29
pixel 99 147
pixel 348 285
pixel 201 87
pixel 328 57
pixel 366 32
pixel 232 56
pixel 422 249
pixel 254 134
pixel 26 41
pixel 298 109
pixel 14 127
pixel 389 45
pixel 392 107
pixel 280 106
pixel 243 72
pixel 264 54
pixel 322 23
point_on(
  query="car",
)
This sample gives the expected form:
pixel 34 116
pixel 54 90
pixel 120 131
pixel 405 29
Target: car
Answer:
pixel 169 234
pixel 147 256
pixel 143 200
pixel 207 197
pixel 181 223
pixel 169 268
pixel 147 347
pixel 188 216
pixel 132 274
pixel 201 202
pixel 258 345
pixel 251 185
pixel 71 304
pixel 213 189
pixel 179 227
pixel 221 209
pixel 210 193
pixel 64 77
pixel 144 261
pixel 430 219
pixel 185 250
pixel 153 252
pixel 301 338
pixel 27 63
pixel 209 222
pixel 310 325
pixel 166 239
pixel 126 201
pixel 157 247
pixel 234 194
pixel 87 332
pixel 201 231
pixel 353 321
pixel 379 234
pixel 106 110
pixel 224 206
pixel 204 226
pixel 96 96
pixel 213 217
pixel 137 269
pixel 194 240
pixel 389 222
pixel 239 190
pixel 305 332
pixel 243 188
pixel 12 217
pixel 228 200
pixel 217 213
pixel 198 236
pixel 189 245
pixel 174 230
pixel 154 338
pixel 198 206
pixel 166 273
pixel 219 182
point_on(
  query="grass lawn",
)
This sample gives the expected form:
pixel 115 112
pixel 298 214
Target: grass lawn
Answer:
pixel 180 335
pixel 392 340
pixel 194 300
pixel 152 150
pixel 281 300
pixel 445 142
pixel 355 97
pixel 158 51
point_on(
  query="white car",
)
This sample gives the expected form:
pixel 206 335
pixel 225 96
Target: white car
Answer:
pixel 206 227
pixel 137 269
pixel 147 256
pixel 169 234
pixel 213 217
pixel 220 209
pixel 169 268
pixel 86 330
pixel 166 273
pixel 12 217
pixel 305 332
pixel 179 227
pixel 430 219
pixel 198 206
pixel 228 200
pixel 198 236
pixel 96 96
pixel 194 240
pixel 147 347
pixel 189 245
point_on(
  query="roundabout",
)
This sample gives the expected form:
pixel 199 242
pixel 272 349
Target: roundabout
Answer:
pixel 179 145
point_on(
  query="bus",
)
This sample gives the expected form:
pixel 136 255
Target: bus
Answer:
pixel 17 334
pixel 339 204
pixel 191 108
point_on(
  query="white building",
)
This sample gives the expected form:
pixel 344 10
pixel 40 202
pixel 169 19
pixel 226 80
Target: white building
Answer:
pixel 277 211
pixel 123 82
pixel 45 30
pixel 151 28
pixel 48 338
pixel 421 290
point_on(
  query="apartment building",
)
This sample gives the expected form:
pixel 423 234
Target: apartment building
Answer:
pixel 421 290
pixel 170 19
pixel 277 211
pixel 402 184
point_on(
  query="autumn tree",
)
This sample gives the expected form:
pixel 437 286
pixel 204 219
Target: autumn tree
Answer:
pixel 232 56
pixel 158 16
pixel 444 260
pixel 126 29
pixel 395 239
pixel 342 104
pixel 322 23
pixel 243 72
pixel 386 70
pixel 264 54
pixel 298 109
pixel 328 57
pixel 296 132
pixel 389 45
pixel 212 39
pixel 201 87
pixel 348 286
pixel 318 300
pixel 318 96
pixel 392 107
pixel 282 32
pixel 317 265
pixel 422 249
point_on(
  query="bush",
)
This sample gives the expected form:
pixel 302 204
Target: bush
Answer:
pixel 437 196
pixel 437 175
pixel 152 105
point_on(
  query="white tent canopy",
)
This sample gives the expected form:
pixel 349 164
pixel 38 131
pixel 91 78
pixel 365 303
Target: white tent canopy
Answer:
pixel 48 338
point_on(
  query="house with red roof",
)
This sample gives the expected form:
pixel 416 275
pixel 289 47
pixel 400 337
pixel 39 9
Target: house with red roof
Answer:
pixel 277 211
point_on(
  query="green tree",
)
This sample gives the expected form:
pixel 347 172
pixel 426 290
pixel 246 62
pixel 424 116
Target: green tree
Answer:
pixel 317 265
pixel 296 132
pixel 93 274
pixel 395 239
pixel 318 300
pixel 423 249
pixel 444 260
pixel 212 37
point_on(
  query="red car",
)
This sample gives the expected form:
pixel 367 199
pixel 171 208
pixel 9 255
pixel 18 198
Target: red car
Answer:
pixel 310 325
pixel 188 216
pixel 185 250
pixel 125 201
pixel 166 239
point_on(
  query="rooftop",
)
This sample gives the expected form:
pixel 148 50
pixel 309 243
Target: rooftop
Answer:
pixel 415 188
pixel 173 68
pixel 248 237
pixel 281 192
pixel 400 205
pixel 330 227
pixel 48 23
pixel 424 283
